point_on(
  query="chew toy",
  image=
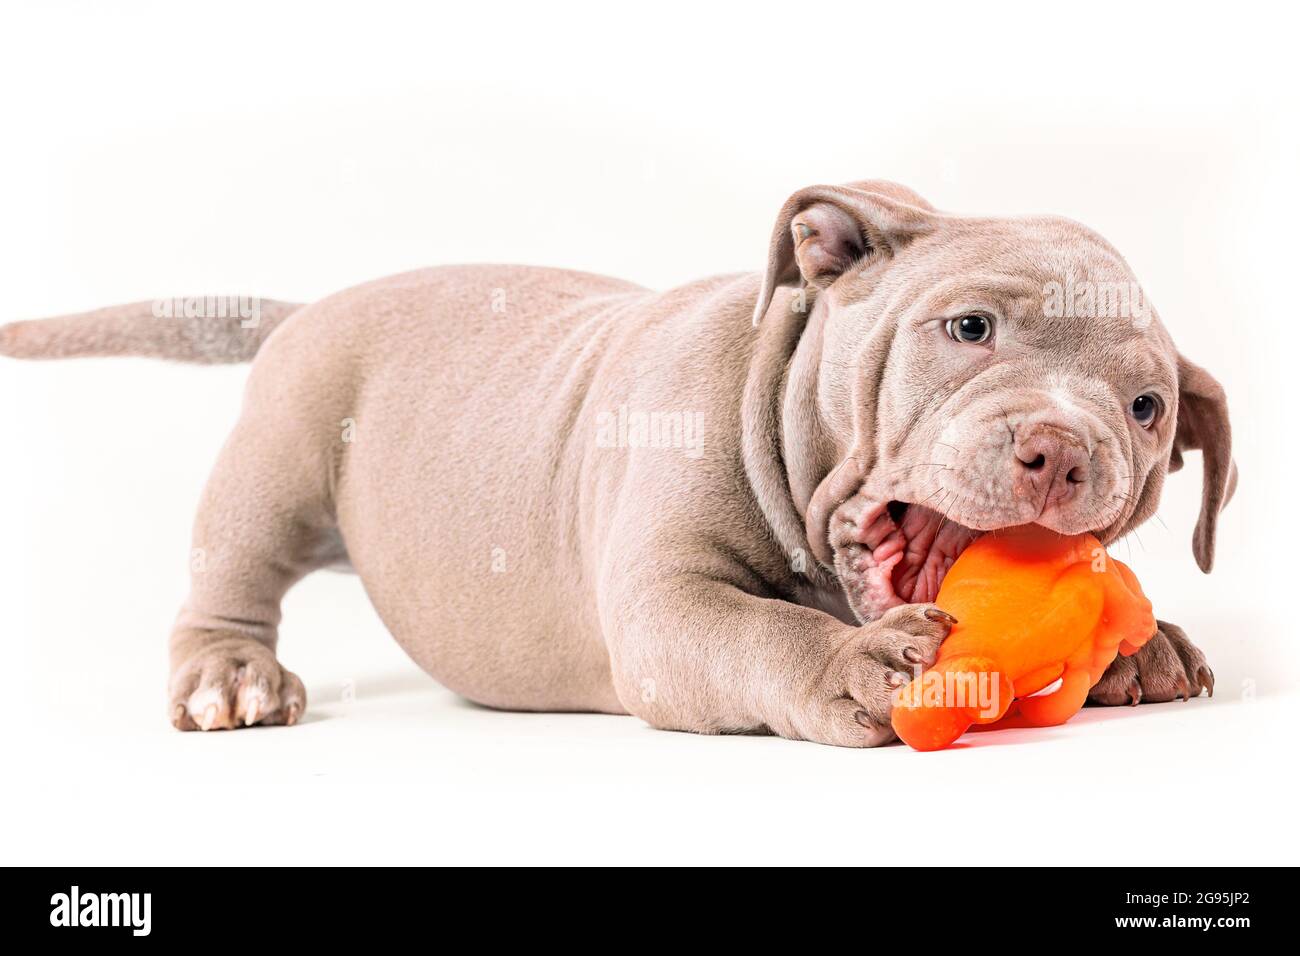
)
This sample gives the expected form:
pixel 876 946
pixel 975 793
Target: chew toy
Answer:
pixel 1033 607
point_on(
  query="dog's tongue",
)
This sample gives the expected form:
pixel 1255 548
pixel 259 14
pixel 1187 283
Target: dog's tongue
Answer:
pixel 912 555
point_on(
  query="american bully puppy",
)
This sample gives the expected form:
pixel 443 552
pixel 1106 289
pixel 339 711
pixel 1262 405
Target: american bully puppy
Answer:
pixel 725 508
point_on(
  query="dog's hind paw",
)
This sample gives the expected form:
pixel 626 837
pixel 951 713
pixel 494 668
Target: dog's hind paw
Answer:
pixel 231 681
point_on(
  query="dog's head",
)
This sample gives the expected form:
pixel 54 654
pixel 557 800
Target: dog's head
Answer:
pixel 979 373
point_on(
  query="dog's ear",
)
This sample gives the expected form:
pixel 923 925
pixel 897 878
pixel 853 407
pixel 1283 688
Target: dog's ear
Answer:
pixel 823 230
pixel 1203 424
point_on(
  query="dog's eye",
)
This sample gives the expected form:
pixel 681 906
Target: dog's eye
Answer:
pixel 972 329
pixel 1144 410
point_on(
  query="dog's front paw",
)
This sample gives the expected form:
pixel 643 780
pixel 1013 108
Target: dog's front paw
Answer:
pixel 1168 666
pixel 228 681
pixel 851 704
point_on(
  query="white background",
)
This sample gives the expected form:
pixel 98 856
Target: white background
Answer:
pixel 290 151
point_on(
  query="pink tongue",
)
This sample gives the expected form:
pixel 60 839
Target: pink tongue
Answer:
pixel 919 553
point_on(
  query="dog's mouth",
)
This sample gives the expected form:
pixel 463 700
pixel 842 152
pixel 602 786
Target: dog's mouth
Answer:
pixel 922 544
pixel 894 553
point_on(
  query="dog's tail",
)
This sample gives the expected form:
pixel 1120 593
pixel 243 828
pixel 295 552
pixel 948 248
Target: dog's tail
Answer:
pixel 210 330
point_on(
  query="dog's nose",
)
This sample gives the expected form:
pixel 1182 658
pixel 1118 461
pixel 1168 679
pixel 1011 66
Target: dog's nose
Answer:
pixel 1052 463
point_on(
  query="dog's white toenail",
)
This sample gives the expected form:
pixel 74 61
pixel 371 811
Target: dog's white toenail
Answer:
pixel 209 717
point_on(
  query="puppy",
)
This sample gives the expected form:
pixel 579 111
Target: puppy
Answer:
pixel 725 508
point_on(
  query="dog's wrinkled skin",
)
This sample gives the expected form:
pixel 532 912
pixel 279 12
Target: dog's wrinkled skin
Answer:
pixel 448 433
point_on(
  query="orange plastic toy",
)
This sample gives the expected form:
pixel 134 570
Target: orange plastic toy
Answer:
pixel 1033 607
